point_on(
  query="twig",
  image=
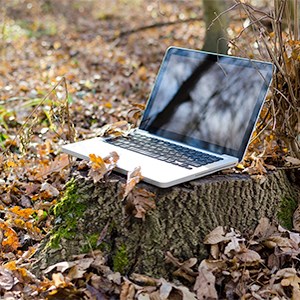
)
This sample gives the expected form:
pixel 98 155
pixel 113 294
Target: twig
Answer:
pixel 159 24
pixel 2 102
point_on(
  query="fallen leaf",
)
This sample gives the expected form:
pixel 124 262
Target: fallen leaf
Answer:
pixel 49 189
pixel 264 229
pixel 59 163
pixel 216 236
pixel 296 219
pixel 248 256
pixel 120 128
pixel 214 251
pixel 205 283
pixel 139 202
pixel 6 279
pixel 127 291
pixel 10 240
pixel 102 166
pixel 277 241
pixel 292 161
pixel 60 267
pixel 165 290
pixel 133 178
pixel 143 279
pixel 25 213
pixel 59 280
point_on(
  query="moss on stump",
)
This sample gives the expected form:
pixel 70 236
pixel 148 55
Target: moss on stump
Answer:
pixel 91 216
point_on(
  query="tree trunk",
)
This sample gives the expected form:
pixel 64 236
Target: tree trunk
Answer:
pixel 91 216
pixel 216 39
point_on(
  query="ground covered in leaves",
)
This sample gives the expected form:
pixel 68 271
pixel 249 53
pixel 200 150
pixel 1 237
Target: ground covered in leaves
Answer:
pixel 68 68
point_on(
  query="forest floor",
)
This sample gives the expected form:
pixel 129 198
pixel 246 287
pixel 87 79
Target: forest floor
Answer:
pixel 68 68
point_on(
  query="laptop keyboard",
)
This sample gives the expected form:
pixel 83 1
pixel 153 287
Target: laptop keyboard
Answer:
pixel 164 151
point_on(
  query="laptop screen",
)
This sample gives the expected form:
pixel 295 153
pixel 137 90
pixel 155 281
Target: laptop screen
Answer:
pixel 206 100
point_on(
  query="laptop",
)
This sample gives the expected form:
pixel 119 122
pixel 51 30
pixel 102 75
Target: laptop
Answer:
pixel 198 120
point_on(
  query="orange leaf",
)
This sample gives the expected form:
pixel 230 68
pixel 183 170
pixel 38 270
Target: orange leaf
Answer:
pixel 101 166
pixel 11 240
pixel 22 212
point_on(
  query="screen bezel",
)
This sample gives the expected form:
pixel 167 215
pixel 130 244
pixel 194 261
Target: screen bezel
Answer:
pixel 258 65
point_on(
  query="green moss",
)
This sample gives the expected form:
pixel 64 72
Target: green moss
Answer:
pixel 91 243
pixel 286 211
pixel 120 260
pixel 67 211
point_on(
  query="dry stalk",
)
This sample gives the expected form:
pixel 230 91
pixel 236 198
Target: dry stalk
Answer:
pixel 59 113
pixel 281 45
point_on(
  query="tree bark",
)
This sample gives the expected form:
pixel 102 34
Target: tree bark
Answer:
pixel 216 39
pixel 184 214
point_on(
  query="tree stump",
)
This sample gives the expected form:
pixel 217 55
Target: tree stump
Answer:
pixel 91 216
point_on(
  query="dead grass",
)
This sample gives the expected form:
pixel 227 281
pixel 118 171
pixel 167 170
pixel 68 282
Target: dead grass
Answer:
pixel 276 38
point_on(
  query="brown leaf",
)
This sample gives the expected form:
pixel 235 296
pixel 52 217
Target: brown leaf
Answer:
pixel 278 241
pixel 264 229
pixel 127 291
pixel 292 161
pixel 121 128
pixel 214 251
pixel 58 280
pixel 60 267
pixel 143 279
pixel 102 166
pixel 248 256
pixel 182 266
pixel 205 283
pixel 139 202
pixel 233 245
pixel 216 236
pixel 50 189
pixel 6 279
pixel 133 178
pixel 59 163
pixel 296 219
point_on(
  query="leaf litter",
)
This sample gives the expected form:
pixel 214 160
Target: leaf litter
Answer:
pixel 84 75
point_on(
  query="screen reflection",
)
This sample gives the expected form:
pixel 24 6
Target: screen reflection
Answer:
pixel 202 100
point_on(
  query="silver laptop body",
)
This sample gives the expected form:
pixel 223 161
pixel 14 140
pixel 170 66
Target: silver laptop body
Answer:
pixel 200 103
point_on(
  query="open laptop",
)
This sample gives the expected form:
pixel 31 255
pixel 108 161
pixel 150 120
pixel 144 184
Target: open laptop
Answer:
pixel 198 120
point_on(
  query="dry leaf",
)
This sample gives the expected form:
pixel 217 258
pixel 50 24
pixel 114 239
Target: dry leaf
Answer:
pixel 165 290
pixel 121 128
pixel 59 280
pixel 133 178
pixel 294 282
pixel 286 272
pixel 143 279
pixel 102 166
pixel 10 239
pixel 60 267
pixel 59 163
pixel 248 256
pixel 296 219
pixel 6 279
pixel 216 236
pixel 127 291
pixel 205 283
pixel 292 161
pixel 139 202
pixel 277 241
pixel 50 189
pixel 214 251
pixel 186 294
pixel 234 244
pixel 264 228
pixel 182 266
